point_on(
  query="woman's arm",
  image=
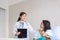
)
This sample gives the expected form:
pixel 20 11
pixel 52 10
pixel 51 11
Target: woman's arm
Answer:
pixel 18 33
pixel 30 28
pixel 15 29
pixel 15 32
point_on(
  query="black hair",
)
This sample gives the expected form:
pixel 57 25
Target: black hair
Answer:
pixel 19 18
pixel 46 24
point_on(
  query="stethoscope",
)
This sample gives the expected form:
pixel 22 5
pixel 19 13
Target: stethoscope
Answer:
pixel 21 24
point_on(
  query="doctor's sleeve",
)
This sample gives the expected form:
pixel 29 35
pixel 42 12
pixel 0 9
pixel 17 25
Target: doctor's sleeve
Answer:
pixel 30 28
pixel 15 29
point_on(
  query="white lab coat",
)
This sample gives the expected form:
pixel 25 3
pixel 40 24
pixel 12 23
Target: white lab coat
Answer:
pixel 26 25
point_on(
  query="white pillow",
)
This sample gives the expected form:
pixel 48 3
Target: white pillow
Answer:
pixel 56 32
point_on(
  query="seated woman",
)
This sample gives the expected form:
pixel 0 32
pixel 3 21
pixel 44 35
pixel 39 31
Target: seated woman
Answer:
pixel 45 31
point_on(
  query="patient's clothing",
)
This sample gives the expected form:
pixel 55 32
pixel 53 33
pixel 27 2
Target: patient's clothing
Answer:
pixel 38 36
pixel 41 38
pixel 49 32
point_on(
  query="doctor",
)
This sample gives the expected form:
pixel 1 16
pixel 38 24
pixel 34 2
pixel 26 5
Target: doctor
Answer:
pixel 22 23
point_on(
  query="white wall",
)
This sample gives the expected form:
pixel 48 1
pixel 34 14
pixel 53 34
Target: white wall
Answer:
pixel 37 10
pixel 12 2
pixel 4 5
pixel 2 23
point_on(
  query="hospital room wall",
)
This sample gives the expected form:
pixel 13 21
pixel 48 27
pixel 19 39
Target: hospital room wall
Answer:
pixel 36 10
pixel 4 19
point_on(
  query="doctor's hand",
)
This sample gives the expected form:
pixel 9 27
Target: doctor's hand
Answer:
pixel 18 33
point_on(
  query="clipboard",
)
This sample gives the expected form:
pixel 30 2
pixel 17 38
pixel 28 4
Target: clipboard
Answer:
pixel 23 33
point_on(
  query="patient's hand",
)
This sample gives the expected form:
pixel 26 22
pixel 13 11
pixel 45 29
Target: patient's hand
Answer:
pixel 48 39
pixel 43 33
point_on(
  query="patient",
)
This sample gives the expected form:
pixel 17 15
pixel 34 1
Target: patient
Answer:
pixel 45 32
pixel 45 29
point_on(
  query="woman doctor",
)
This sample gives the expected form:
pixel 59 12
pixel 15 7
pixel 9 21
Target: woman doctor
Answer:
pixel 22 23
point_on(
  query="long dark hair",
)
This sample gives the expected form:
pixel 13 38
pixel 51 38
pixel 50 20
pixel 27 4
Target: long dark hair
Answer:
pixel 46 24
pixel 21 13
